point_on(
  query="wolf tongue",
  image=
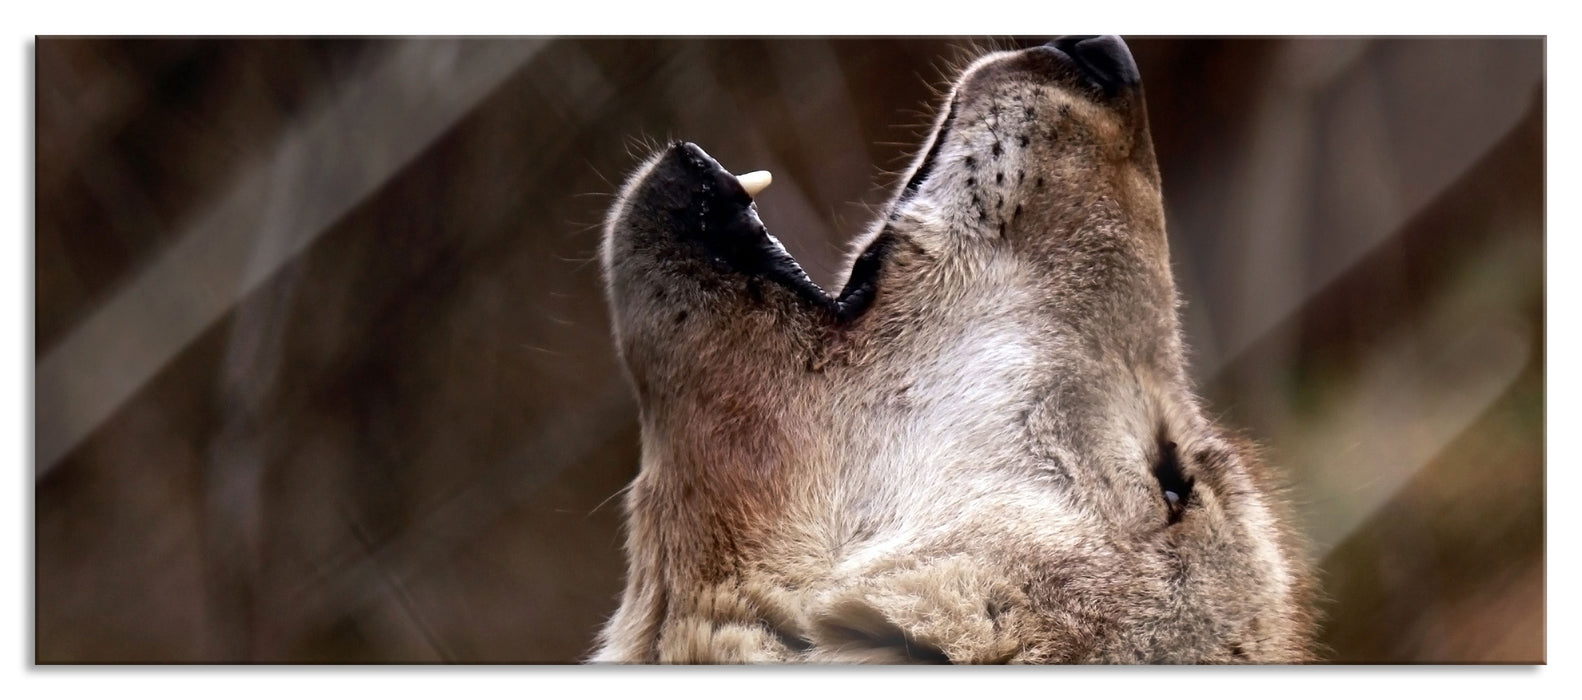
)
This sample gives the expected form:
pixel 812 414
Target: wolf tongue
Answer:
pixel 755 181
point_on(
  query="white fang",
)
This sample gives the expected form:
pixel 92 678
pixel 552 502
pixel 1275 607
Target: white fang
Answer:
pixel 755 181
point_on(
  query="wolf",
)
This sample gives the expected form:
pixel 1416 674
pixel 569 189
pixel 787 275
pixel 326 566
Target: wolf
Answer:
pixel 985 448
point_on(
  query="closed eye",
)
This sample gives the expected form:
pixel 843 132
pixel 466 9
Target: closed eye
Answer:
pixel 1174 484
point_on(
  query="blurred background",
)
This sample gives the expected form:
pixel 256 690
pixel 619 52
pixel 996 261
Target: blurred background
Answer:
pixel 323 371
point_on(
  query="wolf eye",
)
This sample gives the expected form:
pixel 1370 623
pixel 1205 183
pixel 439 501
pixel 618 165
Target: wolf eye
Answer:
pixel 1173 483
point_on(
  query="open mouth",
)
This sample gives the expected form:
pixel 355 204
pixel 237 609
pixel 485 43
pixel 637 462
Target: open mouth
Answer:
pixel 712 211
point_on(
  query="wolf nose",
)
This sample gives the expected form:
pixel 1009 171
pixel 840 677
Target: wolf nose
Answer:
pixel 1103 59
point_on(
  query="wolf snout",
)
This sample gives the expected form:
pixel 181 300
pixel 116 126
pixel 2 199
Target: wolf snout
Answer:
pixel 1104 60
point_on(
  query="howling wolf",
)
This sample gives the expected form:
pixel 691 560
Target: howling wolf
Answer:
pixel 983 449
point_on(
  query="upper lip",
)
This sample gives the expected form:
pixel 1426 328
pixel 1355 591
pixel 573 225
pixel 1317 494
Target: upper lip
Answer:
pixel 926 166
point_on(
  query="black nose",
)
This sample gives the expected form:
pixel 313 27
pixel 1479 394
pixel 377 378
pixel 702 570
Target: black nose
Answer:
pixel 1103 59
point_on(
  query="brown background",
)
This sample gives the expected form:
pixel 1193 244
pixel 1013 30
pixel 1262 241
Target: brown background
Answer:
pixel 323 371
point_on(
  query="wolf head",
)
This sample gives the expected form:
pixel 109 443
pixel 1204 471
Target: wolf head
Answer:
pixel 984 448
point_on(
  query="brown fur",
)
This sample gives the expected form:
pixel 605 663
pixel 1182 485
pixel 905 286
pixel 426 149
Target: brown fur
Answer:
pixel 968 464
